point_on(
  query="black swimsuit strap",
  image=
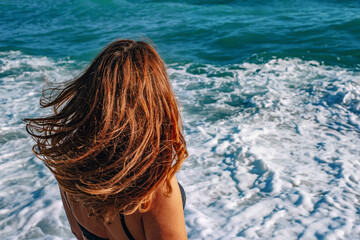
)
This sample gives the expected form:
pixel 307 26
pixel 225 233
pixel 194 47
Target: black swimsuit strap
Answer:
pixel 123 223
pixel 126 230
pixel 86 233
pixel 89 235
pixel 67 201
pixel 183 195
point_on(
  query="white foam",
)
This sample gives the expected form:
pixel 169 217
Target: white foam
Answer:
pixel 273 150
pixel 29 199
pixel 293 136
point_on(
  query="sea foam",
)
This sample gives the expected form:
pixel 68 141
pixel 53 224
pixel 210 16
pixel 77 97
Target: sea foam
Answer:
pixel 273 150
pixel 280 159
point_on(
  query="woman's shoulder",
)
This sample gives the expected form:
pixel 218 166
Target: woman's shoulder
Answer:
pixel 165 218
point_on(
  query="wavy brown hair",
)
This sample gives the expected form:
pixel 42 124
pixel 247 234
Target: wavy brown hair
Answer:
pixel 115 135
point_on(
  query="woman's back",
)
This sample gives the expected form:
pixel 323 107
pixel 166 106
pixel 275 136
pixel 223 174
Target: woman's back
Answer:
pixel 131 226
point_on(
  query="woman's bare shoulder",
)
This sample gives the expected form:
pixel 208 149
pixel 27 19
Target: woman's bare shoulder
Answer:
pixel 165 219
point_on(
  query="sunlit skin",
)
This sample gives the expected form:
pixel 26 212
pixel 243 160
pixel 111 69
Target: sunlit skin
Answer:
pixel 164 220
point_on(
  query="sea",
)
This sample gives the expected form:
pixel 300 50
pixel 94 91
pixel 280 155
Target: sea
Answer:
pixel 269 93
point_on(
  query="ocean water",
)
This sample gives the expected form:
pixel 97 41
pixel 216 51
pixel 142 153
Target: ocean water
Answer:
pixel 270 98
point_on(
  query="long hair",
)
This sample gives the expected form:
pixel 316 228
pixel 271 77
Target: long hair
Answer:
pixel 115 135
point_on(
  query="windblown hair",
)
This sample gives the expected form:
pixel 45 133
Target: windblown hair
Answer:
pixel 115 135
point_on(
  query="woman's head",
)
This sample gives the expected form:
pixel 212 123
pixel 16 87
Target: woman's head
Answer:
pixel 115 135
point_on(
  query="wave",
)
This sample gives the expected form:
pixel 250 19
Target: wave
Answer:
pixel 273 149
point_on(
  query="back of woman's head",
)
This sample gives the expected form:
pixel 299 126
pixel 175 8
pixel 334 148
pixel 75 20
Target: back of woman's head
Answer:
pixel 115 135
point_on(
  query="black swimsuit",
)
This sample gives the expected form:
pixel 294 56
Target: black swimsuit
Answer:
pixel 91 236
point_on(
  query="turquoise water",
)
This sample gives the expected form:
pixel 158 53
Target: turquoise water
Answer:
pixel 216 32
pixel 270 98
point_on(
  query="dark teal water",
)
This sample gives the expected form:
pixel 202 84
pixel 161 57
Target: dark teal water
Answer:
pixel 215 32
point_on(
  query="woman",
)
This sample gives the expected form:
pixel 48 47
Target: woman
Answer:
pixel 114 144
